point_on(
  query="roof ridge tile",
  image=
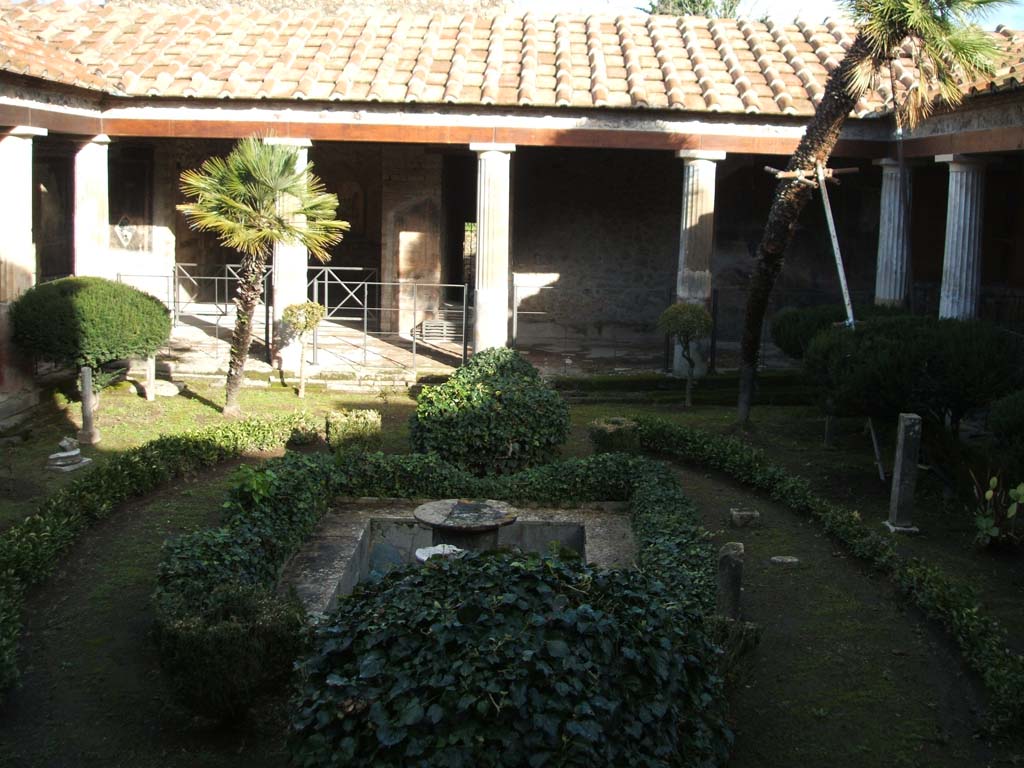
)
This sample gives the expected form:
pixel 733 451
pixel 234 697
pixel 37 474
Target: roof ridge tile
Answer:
pixel 634 72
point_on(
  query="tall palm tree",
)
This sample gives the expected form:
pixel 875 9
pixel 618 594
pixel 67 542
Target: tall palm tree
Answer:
pixel 948 50
pixel 252 200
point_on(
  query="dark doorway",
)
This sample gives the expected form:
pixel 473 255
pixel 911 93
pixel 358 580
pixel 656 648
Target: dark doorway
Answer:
pixel 52 211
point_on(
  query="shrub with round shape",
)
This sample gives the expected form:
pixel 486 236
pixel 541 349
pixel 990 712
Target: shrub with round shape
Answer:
pixel 506 659
pixel 793 328
pixel 88 321
pixel 941 369
pixel 495 415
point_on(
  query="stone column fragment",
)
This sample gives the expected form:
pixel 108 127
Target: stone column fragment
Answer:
pixel 961 261
pixel 904 473
pixel 17 249
pixel 493 229
pixel 696 239
pixel 892 274
pixel 730 580
pixel 89 435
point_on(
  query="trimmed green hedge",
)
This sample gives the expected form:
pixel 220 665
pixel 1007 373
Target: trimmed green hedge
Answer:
pixel 1006 420
pixel 276 506
pixel 941 369
pixel 88 321
pixel 793 328
pixel 494 415
pixel 353 429
pixel 29 551
pixel 981 639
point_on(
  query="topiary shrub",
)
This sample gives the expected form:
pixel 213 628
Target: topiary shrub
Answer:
pixel 242 641
pixel 353 429
pixel 941 369
pixel 495 415
pixel 88 321
pixel 687 324
pixel 793 328
pixel 506 659
pixel 614 434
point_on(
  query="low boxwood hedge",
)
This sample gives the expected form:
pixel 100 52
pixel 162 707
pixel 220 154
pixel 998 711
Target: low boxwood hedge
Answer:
pixel 30 550
pixel 275 506
pixel 982 641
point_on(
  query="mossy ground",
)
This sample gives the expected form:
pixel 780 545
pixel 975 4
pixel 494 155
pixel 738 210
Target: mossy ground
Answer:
pixel 846 675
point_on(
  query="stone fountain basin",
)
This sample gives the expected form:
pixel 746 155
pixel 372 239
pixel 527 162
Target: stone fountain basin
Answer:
pixel 358 536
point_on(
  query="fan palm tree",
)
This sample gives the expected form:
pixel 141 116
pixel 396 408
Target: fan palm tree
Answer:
pixel 252 200
pixel 948 50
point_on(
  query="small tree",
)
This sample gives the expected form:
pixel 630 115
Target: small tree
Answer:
pixel 254 199
pixel 687 324
pixel 301 319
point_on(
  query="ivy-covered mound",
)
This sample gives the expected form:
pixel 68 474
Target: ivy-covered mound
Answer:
pixel 495 415
pixel 276 506
pixel 504 659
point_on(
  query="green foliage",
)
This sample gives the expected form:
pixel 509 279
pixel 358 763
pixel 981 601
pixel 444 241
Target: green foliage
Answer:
pixel 712 9
pixel 241 642
pixel 88 321
pixel 995 516
pixel 353 429
pixel 30 550
pixel 982 640
pixel 494 415
pixel 1006 420
pixel 257 197
pixel 793 328
pixel 303 318
pixel 505 659
pixel 686 323
pixel 614 434
pixel 273 508
pixel 941 369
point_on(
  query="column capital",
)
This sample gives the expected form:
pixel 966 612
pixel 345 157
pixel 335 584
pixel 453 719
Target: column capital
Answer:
pixel 965 160
pixel 700 154
pixel 288 142
pixel 888 162
pixel 27 132
pixel 100 138
pixel 492 147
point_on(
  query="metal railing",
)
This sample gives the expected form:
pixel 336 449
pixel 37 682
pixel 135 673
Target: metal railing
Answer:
pixel 382 321
pixel 344 299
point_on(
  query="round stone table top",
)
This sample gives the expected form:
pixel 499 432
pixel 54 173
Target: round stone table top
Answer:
pixel 466 514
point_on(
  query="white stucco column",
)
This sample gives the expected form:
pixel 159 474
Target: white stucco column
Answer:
pixel 92 208
pixel 892 274
pixel 289 275
pixel 493 210
pixel 17 250
pixel 961 261
pixel 696 240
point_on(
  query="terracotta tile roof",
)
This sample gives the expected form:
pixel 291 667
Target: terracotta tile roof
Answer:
pixel 571 60
pixel 25 54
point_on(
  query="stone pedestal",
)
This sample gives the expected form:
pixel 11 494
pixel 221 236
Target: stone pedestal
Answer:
pixel 696 241
pixel 92 206
pixel 466 524
pixel 493 228
pixel 289 275
pixel 961 261
pixel 892 277
pixel 17 249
